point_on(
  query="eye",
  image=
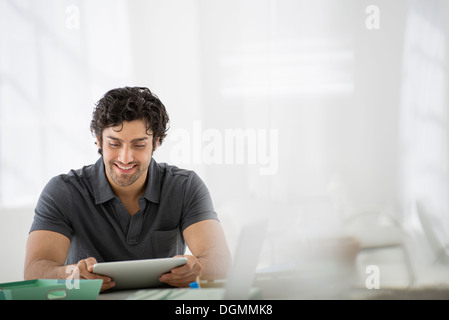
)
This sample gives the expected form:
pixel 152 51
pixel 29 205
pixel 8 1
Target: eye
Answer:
pixel 140 146
pixel 113 145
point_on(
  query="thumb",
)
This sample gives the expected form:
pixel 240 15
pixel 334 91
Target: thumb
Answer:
pixel 90 263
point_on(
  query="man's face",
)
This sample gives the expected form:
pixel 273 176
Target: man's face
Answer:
pixel 127 152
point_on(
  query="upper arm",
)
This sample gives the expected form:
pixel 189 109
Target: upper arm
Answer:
pixel 54 208
pixel 197 202
pixel 202 231
pixel 47 245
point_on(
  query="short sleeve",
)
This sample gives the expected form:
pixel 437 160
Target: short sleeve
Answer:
pixel 53 209
pixel 197 202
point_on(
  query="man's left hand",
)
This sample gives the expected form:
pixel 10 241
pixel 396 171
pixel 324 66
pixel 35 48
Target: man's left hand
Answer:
pixel 184 275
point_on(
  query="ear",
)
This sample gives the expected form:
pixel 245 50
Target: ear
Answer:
pixel 155 144
pixel 99 144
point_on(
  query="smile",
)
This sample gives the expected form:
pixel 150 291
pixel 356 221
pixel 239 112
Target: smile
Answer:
pixel 124 167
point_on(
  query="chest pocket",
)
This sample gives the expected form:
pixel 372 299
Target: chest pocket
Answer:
pixel 167 244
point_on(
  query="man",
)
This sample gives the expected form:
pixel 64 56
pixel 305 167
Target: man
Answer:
pixel 126 206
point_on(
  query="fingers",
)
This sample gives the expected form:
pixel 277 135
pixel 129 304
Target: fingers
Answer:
pixel 178 277
pixel 90 263
pixel 85 271
pixel 184 275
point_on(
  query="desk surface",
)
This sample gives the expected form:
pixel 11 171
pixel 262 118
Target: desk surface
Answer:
pixel 116 295
pixel 214 293
pixel 174 294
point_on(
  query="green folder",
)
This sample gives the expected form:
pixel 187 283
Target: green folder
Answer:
pixel 49 289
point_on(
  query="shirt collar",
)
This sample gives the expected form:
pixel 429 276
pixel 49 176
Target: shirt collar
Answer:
pixel 153 190
pixel 103 191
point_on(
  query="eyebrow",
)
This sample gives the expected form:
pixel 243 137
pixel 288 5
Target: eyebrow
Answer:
pixel 132 141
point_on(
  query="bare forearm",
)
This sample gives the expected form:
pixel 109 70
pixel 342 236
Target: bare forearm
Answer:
pixel 215 264
pixel 48 269
pixel 207 242
pixel 45 269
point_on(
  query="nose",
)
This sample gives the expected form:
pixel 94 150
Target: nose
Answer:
pixel 126 155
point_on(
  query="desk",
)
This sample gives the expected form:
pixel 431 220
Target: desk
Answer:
pixel 429 293
pixel 173 294
pixel 116 295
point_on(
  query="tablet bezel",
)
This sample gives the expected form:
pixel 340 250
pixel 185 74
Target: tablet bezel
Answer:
pixel 138 274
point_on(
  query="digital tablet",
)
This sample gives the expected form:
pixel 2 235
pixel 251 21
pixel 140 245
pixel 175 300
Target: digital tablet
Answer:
pixel 135 274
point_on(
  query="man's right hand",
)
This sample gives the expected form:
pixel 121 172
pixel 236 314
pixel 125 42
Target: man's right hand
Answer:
pixel 84 270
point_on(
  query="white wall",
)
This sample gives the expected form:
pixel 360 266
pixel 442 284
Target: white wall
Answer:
pixel 14 227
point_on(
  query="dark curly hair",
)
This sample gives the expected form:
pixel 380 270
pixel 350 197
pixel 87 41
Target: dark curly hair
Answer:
pixel 128 104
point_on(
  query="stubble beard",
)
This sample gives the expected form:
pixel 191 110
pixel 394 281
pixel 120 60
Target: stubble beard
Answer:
pixel 123 179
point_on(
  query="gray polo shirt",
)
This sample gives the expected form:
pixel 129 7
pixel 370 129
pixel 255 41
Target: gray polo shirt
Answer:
pixel 82 206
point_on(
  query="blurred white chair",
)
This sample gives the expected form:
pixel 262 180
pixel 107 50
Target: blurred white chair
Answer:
pixel 377 231
pixel 439 248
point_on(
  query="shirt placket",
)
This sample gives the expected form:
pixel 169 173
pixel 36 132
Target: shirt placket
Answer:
pixel 135 224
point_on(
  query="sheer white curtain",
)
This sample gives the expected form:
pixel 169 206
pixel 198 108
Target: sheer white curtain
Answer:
pixel 424 126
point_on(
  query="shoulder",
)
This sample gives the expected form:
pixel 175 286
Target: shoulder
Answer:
pixel 187 182
pixel 177 180
pixel 172 171
pixel 173 174
pixel 63 183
